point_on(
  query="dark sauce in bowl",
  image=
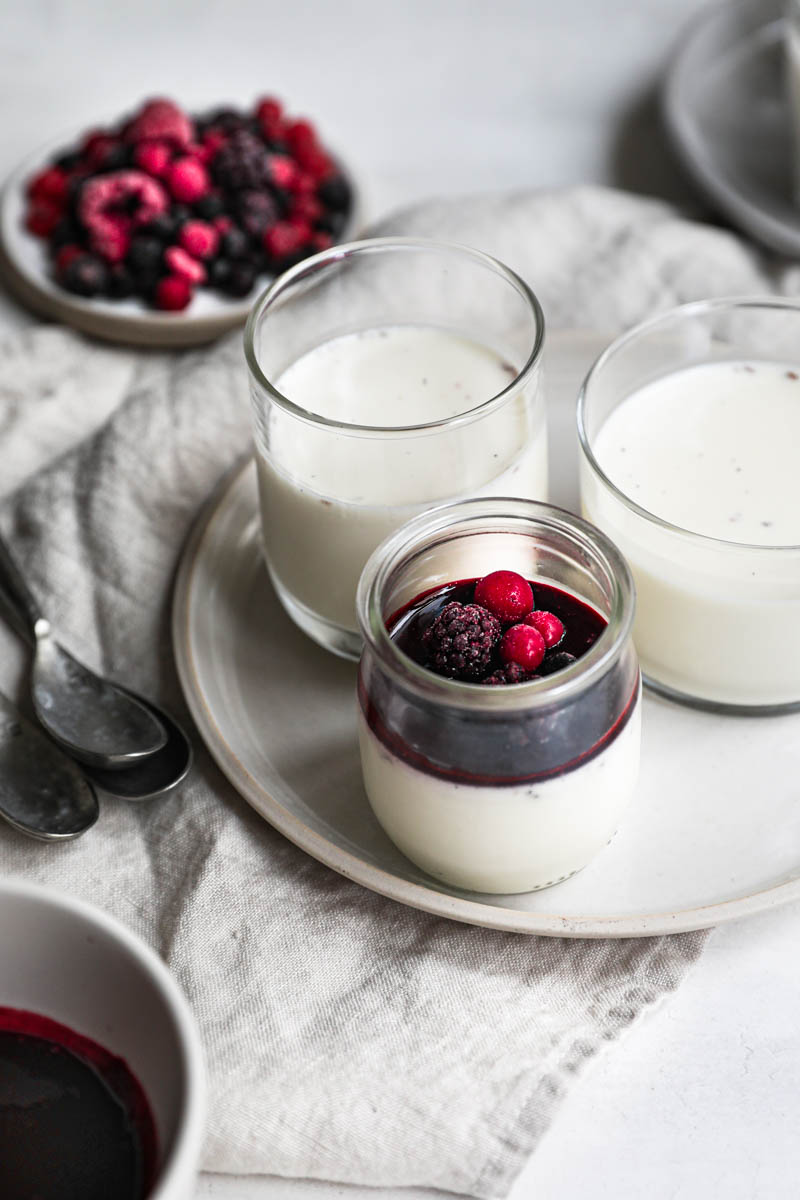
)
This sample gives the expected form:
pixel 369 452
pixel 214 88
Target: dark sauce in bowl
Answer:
pixel 75 1123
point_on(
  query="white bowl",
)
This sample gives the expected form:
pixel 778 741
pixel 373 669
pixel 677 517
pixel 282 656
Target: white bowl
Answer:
pixel 72 962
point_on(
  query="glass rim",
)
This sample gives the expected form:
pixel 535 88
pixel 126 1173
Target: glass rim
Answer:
pixel 348 250
pixel 456 515
pixel 692 308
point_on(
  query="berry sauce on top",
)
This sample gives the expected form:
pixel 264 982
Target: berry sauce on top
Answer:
pixel 422 626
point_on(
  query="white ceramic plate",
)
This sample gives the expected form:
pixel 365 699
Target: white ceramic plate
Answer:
pixel 24 266
pixel 726 107
pixel 714 833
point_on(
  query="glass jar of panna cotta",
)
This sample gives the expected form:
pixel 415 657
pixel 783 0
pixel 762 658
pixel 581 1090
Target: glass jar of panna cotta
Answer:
pixel 689 427
pixel 386 376
pixel 498 789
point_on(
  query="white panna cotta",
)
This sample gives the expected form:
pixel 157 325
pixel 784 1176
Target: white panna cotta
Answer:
pixel 327 501
pixel 710 450
pixel 506 838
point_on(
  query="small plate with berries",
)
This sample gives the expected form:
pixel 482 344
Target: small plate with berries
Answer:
pixel 162 227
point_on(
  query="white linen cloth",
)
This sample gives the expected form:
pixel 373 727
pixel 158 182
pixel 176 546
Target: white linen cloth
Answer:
pixel 348 1038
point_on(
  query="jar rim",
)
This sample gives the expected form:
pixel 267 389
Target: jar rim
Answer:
pixel 693 308
pixel 350 250
pixel 390 555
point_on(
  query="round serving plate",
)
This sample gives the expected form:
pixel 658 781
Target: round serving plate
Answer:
pixel 714 832
pixel 726 105
pixel 24 267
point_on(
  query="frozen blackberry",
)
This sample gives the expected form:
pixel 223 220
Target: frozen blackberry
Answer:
pixel 145 255
pixel 240 279
pixel 234 243
pixel 555 662
pixel 219 271
pixel 243 162
pixel 510 673
pixel 256 212
pixel 460 642
pixel 335 193
pixel 85 275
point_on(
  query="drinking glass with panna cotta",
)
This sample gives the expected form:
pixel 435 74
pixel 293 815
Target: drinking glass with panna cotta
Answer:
pixel 386 376
pixel 689 427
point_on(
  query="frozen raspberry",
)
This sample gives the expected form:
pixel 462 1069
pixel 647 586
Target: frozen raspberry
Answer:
pixel 172 293
pixel 161 120
pixel 42 218
pixel 222 223
pixel 282 170
pixel 212 141
pixel 269 113
pixel 153 157
pixel 199 239
pixel 549 626
pixel 121 199
pixel 523 645
pixel 506 594
pixel 300 136
pixel 183 265
pixel 321 241
pixel 111 239
pixel 99 148
pixel 51 185
pixel 187 180
pixel 460 641
pixel 511 673
pixel 556 662
pixel 306 207
pixel 284 239
pixel 303 184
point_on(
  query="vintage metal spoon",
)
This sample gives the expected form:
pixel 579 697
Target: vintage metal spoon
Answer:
pixel 42 791
pixel 94 720
pixel 157 774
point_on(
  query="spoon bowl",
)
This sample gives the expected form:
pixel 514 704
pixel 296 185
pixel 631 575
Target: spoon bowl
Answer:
pixel 157 775
pixel 42 792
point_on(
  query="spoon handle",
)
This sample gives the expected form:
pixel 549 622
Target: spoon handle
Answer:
pixel 17 590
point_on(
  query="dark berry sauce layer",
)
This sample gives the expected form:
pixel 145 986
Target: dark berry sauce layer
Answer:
pixel 74 1121
pixel 492 745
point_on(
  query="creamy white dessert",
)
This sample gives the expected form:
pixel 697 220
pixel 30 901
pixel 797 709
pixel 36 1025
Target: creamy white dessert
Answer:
pixel 503 838
pixel 711 449
pixel 330 494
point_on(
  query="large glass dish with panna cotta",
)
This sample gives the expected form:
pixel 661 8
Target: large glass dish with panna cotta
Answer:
pixel 499 789
pixel 386 376
pixel 689 427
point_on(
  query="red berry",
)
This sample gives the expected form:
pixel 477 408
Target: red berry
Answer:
pixel 42 218
pixel 321 240
pixel 97 147
pixel 66 255
pixel 162 120
pixel 188 180
pixel 222 223
pixel 549 626
pixel 111 239
pixel 282 170
pixel 213 139
pixel 269 111
pixel 199 239
pixel 523 645
pixel 173 293
pixel 300 134
pixel 182 264
pixel 284 238
pixel 506 594
pixel 51 185
pixel 153 157
pixel 308 208
pixel 315 162
pixel 303 184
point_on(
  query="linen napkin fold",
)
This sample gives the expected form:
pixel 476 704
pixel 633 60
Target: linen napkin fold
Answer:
pixel 348 1038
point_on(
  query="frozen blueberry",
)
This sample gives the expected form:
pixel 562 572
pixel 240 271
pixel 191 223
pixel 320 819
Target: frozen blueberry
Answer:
pixel 86 275
pixel 121 283
pixel 335 193
pixel 145 255
pixel 241 278
pixel 234 243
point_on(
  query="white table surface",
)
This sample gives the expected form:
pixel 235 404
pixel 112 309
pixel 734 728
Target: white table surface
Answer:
pixel 702 1098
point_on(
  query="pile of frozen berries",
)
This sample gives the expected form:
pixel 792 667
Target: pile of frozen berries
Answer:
pixel 165 203
pixel 498 638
